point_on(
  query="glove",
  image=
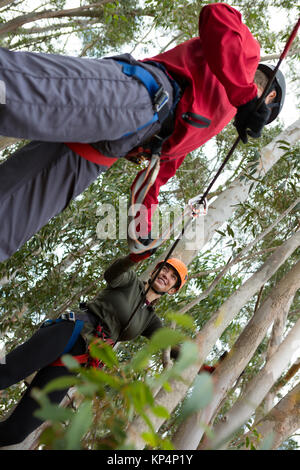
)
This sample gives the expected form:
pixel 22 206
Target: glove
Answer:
pixel 140 256
pixel 247 117
pixel 136 257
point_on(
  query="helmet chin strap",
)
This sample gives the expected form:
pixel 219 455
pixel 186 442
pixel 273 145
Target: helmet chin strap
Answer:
pixel 156 291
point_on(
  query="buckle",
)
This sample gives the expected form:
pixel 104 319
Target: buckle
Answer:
pixel 68 316
pixel 197 208
pixel 161 98
pixel 71 316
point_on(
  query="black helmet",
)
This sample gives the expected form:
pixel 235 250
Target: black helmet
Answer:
pixel 280 88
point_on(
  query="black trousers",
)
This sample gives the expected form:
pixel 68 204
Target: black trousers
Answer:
pixel 44 347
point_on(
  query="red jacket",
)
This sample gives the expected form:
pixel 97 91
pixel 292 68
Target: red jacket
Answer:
pixel 218 67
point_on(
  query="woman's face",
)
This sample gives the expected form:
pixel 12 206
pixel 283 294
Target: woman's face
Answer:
pixel 166 280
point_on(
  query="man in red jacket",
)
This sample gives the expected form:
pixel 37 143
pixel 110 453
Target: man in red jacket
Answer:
pixel 116 105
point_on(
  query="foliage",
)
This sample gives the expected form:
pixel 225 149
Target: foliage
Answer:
pixel 113 395
pixel 64 263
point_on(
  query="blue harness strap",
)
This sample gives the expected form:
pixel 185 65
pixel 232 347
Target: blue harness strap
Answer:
pixel 159 97
pixel 78 325
pixel 76 332
pixel 142 75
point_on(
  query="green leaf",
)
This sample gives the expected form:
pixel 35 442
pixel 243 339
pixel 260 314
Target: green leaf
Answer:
pixel 160 411
pixel 61 383
pixel 79 425
pixel 167 387
pixel 163 338
pixel 221 233
pixel 139 394
pixel 49 411
pixel 200 396
pixel 185 321
pixel 140 360
pixel 105 353
pixel 150 438
pixel 70 362
pixel 88 389
pixel 107 379
pixel 230 231
pixel 188 356
pixel 166 444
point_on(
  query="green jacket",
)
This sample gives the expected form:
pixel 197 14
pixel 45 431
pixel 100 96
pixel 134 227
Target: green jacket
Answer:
pixel 116 302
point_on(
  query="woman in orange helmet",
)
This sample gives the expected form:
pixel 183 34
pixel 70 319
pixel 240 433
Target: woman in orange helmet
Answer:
pixel 108 316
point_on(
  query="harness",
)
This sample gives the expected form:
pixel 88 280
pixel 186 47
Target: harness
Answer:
pixel 159 96
pixel 79 319
pixel 162 113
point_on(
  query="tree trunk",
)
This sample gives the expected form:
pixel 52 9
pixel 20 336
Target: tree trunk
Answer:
pixel 213 329
pixel 274 342
pixel 226 268
pixel 256 390
pixel 225 205
pixel 288 376
pixel 280 423
pixel 190 432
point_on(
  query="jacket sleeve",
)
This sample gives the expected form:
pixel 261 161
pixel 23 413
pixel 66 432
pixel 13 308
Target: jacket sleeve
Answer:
pixel 152 328
pixel 230 50
pixel 167 169
pixel 119 273
pixel 154 325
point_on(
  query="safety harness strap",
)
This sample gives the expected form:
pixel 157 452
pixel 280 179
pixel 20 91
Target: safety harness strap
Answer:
pixel 88 152
pixel 159 99
pixel 158 95
pixel 76 332
pixel 79 323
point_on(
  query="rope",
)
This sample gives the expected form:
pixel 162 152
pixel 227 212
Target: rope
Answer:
pixel 147 177
pixel 202 199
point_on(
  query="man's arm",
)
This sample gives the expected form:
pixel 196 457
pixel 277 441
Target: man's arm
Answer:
pixel 230 50
pixel 167 169
pixel 119 273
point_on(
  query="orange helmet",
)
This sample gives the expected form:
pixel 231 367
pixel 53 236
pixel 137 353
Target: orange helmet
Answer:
pixel 180 269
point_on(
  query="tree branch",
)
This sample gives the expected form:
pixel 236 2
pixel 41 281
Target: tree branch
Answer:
pixel 3 3
pixel 15 23
pixel 237 258
pixel 244 258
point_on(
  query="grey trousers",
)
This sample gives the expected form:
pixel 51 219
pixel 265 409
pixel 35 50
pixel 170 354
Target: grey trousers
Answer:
pixel 56 98
pixel 36 183
pixel 52 99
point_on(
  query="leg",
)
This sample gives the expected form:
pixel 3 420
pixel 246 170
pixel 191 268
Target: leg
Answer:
pixel 58 98
pixel 37 183
pixel 46 345
pixel 29 357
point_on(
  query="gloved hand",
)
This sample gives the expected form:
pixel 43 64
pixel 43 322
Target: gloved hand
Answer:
pixel 249 118
pixel 139 257
pixel 136 257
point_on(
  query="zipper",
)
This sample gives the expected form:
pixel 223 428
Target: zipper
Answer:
pixel 196 120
